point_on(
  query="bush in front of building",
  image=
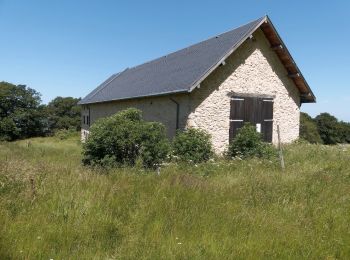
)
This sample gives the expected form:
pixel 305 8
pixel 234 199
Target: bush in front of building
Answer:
pixel 192 145
pixel 121 139
pixel 248 143
pixel 114 140
pixel 155 146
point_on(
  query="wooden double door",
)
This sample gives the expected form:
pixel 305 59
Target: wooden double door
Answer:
pixel 256 110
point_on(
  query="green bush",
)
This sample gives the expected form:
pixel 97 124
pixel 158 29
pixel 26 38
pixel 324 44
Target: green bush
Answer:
pixel 122 138
pixel 64 134
pixel 154 145
pixel 192 145
pixel 308 129
pixel 114 138
pixel 248 143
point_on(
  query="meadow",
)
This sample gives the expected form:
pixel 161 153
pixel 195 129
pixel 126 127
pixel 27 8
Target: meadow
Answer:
pixel 54 208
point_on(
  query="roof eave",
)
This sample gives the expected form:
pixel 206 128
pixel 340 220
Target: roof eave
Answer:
pixel 133 97
pixel 306 97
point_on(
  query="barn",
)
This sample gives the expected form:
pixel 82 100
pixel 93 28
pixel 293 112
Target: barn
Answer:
pixel 243 75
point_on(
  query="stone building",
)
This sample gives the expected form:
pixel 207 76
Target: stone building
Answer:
pixel 244 75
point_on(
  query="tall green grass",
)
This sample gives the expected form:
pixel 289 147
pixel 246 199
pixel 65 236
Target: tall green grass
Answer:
pixel 218 210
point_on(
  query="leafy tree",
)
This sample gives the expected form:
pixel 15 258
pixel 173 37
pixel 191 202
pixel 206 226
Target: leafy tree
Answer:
pixel 64 113
pixel 308 129
pixel 21 114
pixel 328 128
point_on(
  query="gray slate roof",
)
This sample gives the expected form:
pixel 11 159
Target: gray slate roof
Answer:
pixel 177 72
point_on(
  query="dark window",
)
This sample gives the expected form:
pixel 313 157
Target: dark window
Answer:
pixel 255 110
pixel 84 119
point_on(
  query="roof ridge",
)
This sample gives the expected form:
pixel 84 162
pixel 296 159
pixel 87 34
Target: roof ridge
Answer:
pixel 197 43
pixel 180 71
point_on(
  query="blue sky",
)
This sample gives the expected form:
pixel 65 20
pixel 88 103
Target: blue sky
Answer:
pixel 66 48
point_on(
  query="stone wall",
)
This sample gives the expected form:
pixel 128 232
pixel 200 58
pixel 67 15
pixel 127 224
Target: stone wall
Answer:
pixel 253 69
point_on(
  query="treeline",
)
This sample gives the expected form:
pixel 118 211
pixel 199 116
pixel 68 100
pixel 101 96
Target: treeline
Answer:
pixel 324 129
pixel 22 114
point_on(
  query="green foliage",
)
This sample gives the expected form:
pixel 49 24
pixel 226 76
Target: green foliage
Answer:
pixel 64 113
pixel 328 128
pixel 308 129
pixel 241 209
pixel 192 145
pixel 248 143
pixel 116 138
pixel 21 115
pixel 64 134
pixel 325 128
pixel 122 138
pixel 154 145
pixel 8 129
pixel 344 132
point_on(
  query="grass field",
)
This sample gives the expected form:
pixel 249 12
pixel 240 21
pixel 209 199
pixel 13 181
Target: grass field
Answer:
pixel 53 208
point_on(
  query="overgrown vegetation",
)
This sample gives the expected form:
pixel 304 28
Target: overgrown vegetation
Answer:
pixel 192 145
pixel 245 209
pixel 248 143
pixel 22 114
pixel 155 147
pixel 121 139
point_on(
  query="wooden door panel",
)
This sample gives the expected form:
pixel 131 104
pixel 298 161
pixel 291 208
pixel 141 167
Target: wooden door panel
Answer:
pixel 234 127
pixel 254 110
pixel 267 119
pixel 267 109
pixel 237 109
pixel 266 131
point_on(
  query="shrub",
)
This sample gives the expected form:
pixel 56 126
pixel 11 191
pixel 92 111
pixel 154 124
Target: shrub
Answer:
pixel 64 134
pixel 154 145
pixel 308 129
pixel 115 138
pixel 248 143
pixel 122 138
pixel 193 145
